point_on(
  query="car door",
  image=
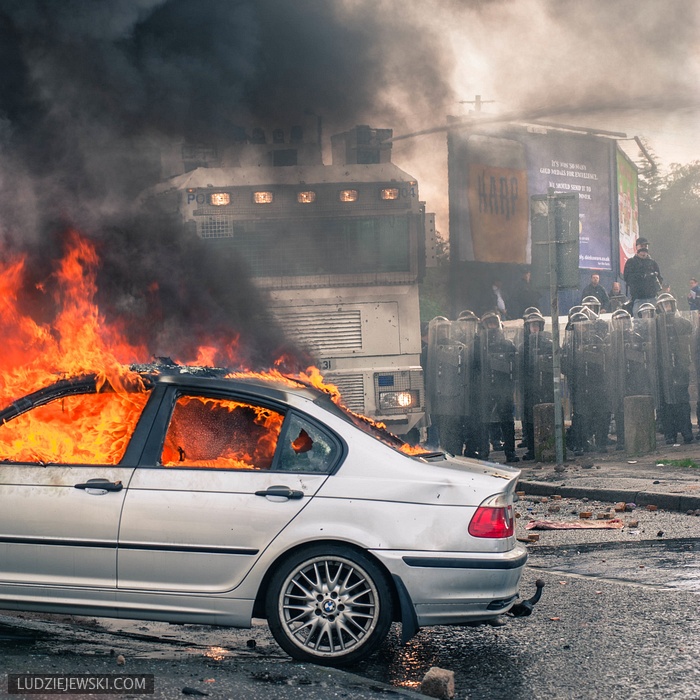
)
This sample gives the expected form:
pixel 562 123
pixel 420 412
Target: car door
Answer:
pixel 227 477
pixel 62 486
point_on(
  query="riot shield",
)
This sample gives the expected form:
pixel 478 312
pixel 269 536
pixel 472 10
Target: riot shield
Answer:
pixel 641 352
pixel 444 375
pixel 540 368
pixel 674 338
pixel 498 359
pixel 695 319
pixel 620 331
pixel 497 371
pixel 587 352
pixel 464 331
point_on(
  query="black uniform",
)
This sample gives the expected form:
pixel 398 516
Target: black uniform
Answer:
pixel 643 278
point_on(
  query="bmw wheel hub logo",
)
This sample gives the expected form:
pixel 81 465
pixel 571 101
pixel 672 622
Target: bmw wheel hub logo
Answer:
pixel 328 606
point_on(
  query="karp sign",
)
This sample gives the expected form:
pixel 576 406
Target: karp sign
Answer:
pixel 197 197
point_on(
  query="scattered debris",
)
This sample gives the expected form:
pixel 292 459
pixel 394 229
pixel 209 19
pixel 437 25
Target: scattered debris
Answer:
pixel 192 691
pixel 652 507
pixel 121 660
pixel 614 524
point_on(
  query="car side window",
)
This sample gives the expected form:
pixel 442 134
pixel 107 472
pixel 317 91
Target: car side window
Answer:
pixel 216 433
pixel 90 428
pixel 306 448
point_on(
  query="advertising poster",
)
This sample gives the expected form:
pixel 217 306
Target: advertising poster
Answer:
pixel 577 164
pixel 627 206
pixel 492 178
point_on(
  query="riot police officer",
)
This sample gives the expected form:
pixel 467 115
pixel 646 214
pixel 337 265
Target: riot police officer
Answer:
pixel 497 367
pixel 585 367
pixel 467 327
pixel 445 383
pixel 536 373
pixel 674 335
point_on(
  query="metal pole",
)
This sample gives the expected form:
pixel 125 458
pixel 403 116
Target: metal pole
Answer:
pixel 554 301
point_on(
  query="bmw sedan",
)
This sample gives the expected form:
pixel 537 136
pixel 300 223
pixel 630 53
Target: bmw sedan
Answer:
pixel 192 495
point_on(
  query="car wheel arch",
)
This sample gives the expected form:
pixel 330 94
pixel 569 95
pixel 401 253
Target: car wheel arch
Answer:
pixel 259 605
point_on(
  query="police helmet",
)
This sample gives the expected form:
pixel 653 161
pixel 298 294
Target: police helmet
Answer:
pixel 589 313
pixel 579 317
pixel 530 310
pixel 535 319
pixel 574 310
pixel 646 310
pixel 666 303
pixel 621 319
pixel 467 315
pixel 491 321
pixel 592 303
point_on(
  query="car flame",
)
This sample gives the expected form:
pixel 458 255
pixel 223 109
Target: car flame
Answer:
pixel 40 349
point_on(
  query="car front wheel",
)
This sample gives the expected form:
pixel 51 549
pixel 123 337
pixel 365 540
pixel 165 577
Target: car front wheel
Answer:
pixel 329 605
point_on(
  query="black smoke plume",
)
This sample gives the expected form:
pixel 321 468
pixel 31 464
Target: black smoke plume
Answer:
pixel 90 91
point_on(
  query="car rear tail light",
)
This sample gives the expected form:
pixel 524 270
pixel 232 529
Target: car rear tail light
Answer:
pixel 493 518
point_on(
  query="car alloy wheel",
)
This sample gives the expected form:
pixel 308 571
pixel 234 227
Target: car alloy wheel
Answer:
pixel 329 605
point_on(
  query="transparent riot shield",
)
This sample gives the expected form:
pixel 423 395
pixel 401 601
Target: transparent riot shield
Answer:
pixel 444 369
pixel 641 352
pixel 587 353
pixel 498 371
pixel 695 320
pixel 465 331
pixel 498 360
pixel 618 365
pixel 539 369
pixel 674 337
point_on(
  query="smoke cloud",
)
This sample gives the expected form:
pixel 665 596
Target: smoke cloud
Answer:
pixel 90 91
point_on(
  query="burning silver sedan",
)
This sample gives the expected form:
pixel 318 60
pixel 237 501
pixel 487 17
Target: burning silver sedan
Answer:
pixel 192 495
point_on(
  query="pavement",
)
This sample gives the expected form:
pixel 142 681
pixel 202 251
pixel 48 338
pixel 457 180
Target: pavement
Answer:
pixel 665 478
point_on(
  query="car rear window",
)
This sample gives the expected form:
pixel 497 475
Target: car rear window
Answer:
pixel 221 433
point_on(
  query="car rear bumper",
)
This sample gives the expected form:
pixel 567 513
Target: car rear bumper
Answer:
pixel 451 588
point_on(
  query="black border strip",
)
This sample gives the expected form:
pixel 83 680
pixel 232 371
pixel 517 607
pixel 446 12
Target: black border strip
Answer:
pixel 453 563
pixel 104 544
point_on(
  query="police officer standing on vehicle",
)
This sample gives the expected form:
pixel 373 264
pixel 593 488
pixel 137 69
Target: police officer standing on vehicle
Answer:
pixel 674 335
pixel 497 366
pixel 642 276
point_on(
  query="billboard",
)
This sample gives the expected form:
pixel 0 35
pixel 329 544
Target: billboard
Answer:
pixel 492 177
pixel 628 207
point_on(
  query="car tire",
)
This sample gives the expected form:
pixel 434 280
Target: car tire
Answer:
pixel 329 605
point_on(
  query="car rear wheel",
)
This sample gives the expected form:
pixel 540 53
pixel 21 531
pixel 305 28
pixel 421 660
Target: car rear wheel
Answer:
pixel 329 605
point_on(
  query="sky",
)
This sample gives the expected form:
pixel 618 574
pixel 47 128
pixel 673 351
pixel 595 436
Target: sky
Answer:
pixel 89 91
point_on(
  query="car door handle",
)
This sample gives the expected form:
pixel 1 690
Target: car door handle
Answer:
pixel 281 492
pixel 101 484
